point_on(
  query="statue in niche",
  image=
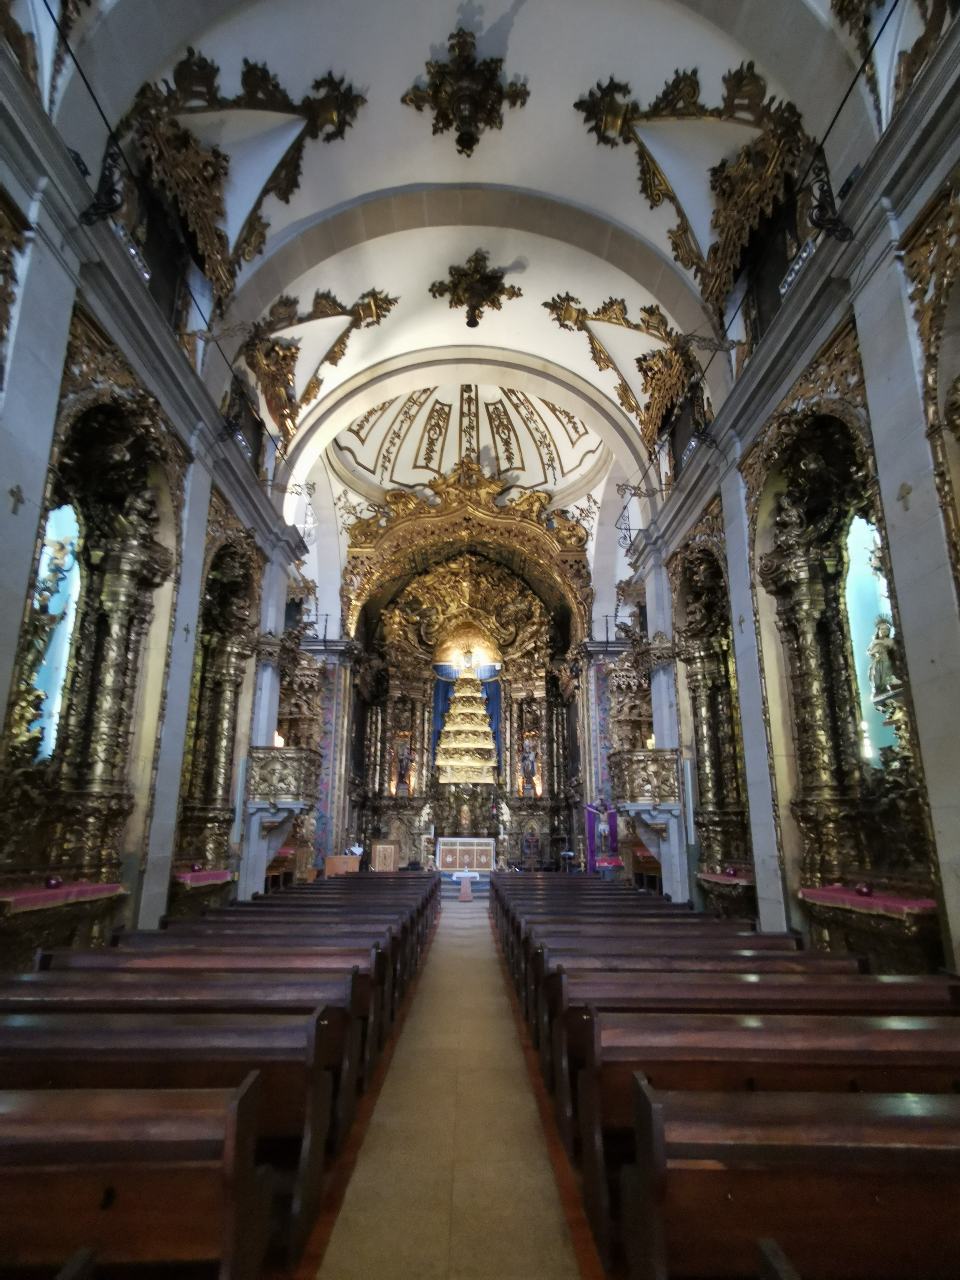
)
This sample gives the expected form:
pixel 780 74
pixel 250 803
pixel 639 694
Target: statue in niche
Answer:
pixel 465 820
pixel 882 654
pixel 404 760
pixel 528 764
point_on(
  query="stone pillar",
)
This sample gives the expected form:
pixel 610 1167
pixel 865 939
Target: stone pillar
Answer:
pixel 675 866
pixel 163 821
pixel 771 893
pixel 266 699
pixel 918 549
pixel 32 369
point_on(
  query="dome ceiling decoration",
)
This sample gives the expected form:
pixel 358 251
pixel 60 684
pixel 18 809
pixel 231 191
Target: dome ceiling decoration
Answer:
pixel 526 442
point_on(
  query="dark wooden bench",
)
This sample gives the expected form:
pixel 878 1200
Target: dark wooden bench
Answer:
pixel 340 995
pixel 141 1175
pixel 371 966
pixel 666 944
pixel 285 930
pixel 196 1051
pixel 729 1052
pixel 852 1185
pixel 569 998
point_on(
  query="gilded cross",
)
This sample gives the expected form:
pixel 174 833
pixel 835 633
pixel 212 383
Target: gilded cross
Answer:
pixel 18 496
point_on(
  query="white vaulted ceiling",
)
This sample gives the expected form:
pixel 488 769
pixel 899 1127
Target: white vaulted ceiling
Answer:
pixel 391 205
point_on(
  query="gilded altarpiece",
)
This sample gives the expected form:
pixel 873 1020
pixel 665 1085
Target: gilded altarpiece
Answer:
pixel 109 525
pixel 704 644
pixel 499 586
pixel 864 825
pixel 227 640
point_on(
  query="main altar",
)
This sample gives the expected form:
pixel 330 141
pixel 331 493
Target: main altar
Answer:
pixel 467 609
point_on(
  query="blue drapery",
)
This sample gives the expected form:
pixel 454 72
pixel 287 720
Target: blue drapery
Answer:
pixel 443 693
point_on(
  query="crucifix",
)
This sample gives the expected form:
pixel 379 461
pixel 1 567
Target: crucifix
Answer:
pixel 18 496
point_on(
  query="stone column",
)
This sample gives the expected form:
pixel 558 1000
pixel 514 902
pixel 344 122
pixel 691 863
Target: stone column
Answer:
pixel 917 546
pixel 163 821
pixel 32 368
pixel 771 893
pixel 266 699
pixel 666 728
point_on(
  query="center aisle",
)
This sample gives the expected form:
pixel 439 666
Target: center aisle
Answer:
pixel 453 1178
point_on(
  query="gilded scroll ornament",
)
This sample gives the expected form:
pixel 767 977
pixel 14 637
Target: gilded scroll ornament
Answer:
pixel 667 373
pixel 272 356
pixel 932 263
pixel 194 176
pixel 744 190
pixel 464 93
pixel 937 15
pixel 475 286
pixel 22 44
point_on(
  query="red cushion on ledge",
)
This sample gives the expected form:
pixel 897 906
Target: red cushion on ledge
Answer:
pixel 888 904
pixel 717 877
pixel 193 879
pixel 30 898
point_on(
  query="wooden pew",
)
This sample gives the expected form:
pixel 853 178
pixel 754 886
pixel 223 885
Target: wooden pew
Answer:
pixel 554 960
pixel 143 1176
pixel 659 942
pixel 577 998
pixel 151 992
pixel 854 1186
pixel 196 1051
pixel 370 964
pixel 721 1052
pixel 284 930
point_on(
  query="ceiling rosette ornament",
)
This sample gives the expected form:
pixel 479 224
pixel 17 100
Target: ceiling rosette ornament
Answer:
pixel 165 126
pixel 475 286
pixel 464 93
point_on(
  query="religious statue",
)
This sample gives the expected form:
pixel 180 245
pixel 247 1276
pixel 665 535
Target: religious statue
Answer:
pixel 882 654
pixel 404 760
pixel 528 764
pixel 465 821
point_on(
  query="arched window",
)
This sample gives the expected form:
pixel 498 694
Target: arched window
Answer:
pixel 55 608
pixel 870 624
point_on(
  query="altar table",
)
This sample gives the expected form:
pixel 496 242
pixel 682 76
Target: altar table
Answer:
pixel 466 853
